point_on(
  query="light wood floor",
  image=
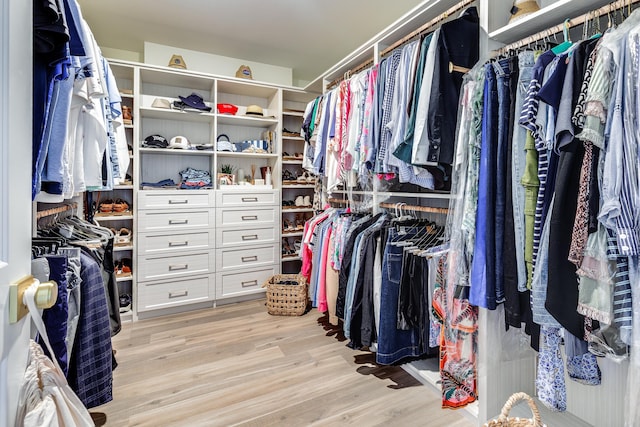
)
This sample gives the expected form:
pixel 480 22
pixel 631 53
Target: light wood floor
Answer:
pixel 236 365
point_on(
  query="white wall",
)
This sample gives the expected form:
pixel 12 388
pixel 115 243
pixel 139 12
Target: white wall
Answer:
pixel 125 55
pixel 158 54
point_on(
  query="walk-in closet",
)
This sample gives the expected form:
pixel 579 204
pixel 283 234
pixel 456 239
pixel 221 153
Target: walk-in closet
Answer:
pixel 298 214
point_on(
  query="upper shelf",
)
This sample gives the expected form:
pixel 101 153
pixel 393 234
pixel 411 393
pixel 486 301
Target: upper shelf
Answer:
pixel 166 114
pixel 552 14
pixel 226 119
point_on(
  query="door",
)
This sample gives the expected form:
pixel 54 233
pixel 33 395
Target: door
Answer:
pixel 15 191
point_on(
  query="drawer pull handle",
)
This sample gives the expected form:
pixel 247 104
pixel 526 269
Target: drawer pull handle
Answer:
pixel 178 267
pixel 250 237
pixel 249 199
pixel 178 202
pixel 174 244
pixel 249 217
pixel 249 283
pixel 178 294
pixel 178 221
pixel 249 258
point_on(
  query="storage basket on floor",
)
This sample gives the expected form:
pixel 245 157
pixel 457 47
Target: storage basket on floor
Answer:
pixel 504 420
pixel 286 294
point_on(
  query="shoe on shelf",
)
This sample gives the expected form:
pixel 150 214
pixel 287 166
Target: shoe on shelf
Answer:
pixel 297 244
pixel 123 237
pixel 299 201
pixel 307 201
pixel 127 118
pixel 120 206
pixel 106 206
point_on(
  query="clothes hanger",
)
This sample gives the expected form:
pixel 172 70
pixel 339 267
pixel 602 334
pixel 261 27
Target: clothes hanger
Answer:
pixel 567 43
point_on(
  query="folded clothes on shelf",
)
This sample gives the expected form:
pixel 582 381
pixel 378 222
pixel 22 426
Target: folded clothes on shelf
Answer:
pixel 195 179
pixel 160 184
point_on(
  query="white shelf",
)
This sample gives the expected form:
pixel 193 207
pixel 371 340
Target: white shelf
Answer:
pixel 225 119
pixel 123 187
pixel 246 155
pixel 292 162
pixel 296 210
pixel 126 95
pixel 128 126
pixel 170 114
pixel 292 234
pixel 98 217
pixel 299 186
pixel 553 14
pixel 177 151
pixel 293 113
pixel 122 248
pixel 293 138
pixel 124 278
pixel 288 258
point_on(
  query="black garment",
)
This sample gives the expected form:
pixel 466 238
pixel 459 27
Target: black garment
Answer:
pixel 346 266
pixel 458 45
pixel 363 325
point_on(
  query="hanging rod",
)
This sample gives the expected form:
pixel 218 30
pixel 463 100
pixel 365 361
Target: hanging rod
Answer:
pixel 597 13
pixel 57 210
pixel 435 21
pixel 415 208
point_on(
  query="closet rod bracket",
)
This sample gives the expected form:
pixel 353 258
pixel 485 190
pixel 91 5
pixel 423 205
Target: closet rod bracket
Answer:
pixel 46 296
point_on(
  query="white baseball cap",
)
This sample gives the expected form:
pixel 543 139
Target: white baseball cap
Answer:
pixel 179 142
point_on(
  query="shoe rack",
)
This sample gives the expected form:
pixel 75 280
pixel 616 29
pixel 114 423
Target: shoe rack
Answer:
pixel 298 186
pixel 115 210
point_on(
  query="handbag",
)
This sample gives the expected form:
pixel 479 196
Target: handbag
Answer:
pixel 224 144
pixel 45 398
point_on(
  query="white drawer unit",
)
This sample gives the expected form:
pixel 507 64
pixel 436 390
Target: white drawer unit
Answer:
pixel 233 259
pixel 245 236
pixel 175 199
pixel 175 242
pixel 167 266
pixel 228 217
pixel 245 282
pixel 175 220
pixel 164 294
pixel 247 198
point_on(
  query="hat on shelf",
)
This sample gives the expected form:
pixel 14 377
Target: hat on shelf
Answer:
pixel 195 101
pixel 522 8
pixel 179 142
pixel 254 110
pixel 161 103
pixel 177 61
pixel 155 141
pixel 244 72
pixel 227 109
pixel 224 144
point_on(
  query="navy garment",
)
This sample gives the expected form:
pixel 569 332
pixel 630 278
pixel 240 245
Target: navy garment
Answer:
pixel 50 52
pixel 483 285
pixel 458 45
pixel 393 344
pixel 55 318
pixel 90 367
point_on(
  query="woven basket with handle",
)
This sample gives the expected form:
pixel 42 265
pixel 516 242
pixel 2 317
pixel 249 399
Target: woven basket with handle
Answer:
pixel 504 420
pixel 286 294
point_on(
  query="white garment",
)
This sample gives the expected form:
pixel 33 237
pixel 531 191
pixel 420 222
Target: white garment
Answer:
pixel 45 398
pixel 420 153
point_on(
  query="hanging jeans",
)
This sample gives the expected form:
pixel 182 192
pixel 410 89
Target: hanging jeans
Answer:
pixel 393 344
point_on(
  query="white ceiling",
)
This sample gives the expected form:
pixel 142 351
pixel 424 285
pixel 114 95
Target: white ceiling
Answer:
pixel 308 36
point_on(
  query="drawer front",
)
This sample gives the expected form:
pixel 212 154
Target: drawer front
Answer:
pixel 236 284
pixel 158 243
pixel 246 217
pixel 230 259
pixel 174 220
pixel 163 294
pixel 175 199
pixel 248 198
pixel 245 236
pixel 166 266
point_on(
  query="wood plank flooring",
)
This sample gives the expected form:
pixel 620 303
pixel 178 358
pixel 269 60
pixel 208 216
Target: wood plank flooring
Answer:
pixel 238 366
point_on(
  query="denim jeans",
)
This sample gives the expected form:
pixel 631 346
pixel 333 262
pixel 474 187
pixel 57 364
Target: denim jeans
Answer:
pixel 503 228
pixel 518 155
pixel 483 286
pixel 393 344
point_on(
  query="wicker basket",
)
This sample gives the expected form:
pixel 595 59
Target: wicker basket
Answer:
pixel 289 299
pixel 504 420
